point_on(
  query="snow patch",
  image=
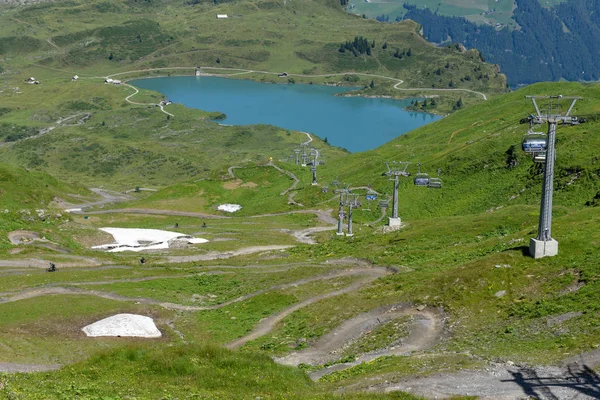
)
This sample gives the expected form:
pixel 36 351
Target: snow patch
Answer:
pixel 229 207
pixel 129 325
pixel 133 239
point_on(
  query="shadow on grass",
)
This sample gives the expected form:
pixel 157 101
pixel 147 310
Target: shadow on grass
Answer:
pixel 523 249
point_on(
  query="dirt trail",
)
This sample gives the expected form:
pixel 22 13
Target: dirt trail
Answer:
pixel 371 273
pixel 21 236
pixel 504 382
pixel 44 262
pixel 266 325
pixel 304 235
pixel 149 211
pixel 14 368
pixel 383 213
pixel 288 190
pixel 136 91
pixel 426 328
pixel 323 215
pixel 248 71
pixel 214 255
pixel 108 197
pixel 230 171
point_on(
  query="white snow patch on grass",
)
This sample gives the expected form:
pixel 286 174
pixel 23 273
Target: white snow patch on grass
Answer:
pixel 129 325
pixel 133 239
pixel 229 207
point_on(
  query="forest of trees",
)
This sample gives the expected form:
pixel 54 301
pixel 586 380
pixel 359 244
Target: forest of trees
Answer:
pixel 359 45
pixel 551 43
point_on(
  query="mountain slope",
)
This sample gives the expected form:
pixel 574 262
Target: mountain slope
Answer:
pixel 551 44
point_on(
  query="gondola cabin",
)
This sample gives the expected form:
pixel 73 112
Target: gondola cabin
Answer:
pixel 539 158
pixel 435 183
pixel 421 180
pixel 534 143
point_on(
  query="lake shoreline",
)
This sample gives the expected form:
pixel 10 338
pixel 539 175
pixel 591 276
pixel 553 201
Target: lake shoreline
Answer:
pixel 356 122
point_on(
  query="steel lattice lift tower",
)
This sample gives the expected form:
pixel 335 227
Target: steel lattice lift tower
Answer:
pixel 352 201
pixel 341 214
pixel 315 153
pixel 544 245
pixel 395 170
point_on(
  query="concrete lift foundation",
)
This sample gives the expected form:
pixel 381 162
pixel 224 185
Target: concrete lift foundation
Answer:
pixel 394 222
pixel 541 248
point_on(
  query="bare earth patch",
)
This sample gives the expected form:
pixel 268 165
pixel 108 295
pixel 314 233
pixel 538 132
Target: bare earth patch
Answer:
pixel 232 185
pixel 20 236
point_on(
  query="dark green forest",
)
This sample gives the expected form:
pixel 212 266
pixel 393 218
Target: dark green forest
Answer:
pixel 562 41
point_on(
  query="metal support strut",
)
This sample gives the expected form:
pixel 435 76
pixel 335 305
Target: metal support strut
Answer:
pixel 545 225
pixel 395 198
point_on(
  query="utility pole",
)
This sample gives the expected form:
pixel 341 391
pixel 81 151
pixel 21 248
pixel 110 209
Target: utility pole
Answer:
pixel 297 153
pixel 394 171
pixel 352 200
pixel 544 245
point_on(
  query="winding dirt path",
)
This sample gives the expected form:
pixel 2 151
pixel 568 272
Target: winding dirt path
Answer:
pixel 323 215
pixel 294 185
pixel 250 71
pixel 230 171
pixel 43 262
pixel 22 236
pixel 142 104
pixel 149 211
pixel 426 328
pixel 371 273
pixel 107 197
pixel 304 235
pixel 216 255
pixel 266 325
pixel 241 71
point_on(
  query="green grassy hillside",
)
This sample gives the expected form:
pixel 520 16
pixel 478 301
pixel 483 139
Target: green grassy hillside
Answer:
pixel 473 147
pixel 30 189
pixel 299 37
pixel 458 267
pixel 86 131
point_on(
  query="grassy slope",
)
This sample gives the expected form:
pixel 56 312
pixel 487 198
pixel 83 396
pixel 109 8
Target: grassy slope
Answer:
pixel 470 147
pixel 451 245
pixel 296 37
pixel 459 257
pixel 113 146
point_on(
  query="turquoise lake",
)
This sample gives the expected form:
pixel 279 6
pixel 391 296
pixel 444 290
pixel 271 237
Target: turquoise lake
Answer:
pixel 354 123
